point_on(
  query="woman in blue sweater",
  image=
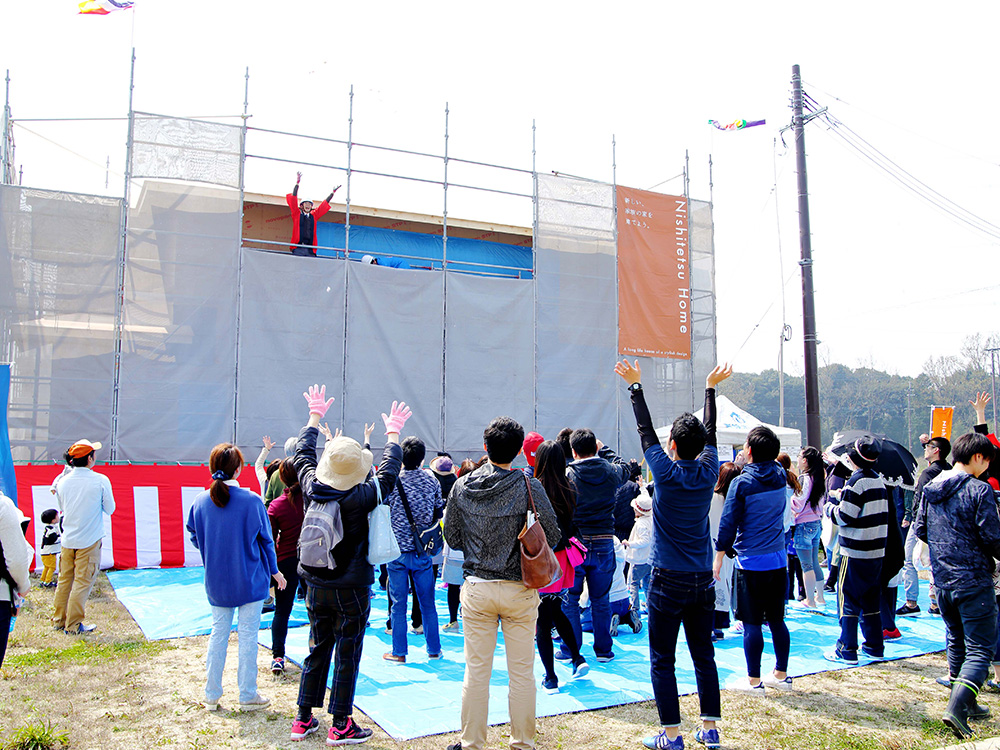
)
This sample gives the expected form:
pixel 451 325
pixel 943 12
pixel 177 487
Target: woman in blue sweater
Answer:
pixel 229 526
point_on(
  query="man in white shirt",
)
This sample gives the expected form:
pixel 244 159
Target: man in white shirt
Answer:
pixel 84 496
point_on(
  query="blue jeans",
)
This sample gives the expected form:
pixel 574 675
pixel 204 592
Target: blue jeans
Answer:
pixel 423 583
pixel 911 581
pixel 598 569
pixel 218 643
pixel 687 599
pixel 971 634
pixel 638 577
pixel 807 547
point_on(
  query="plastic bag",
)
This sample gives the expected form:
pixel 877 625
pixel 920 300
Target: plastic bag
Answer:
pixel 382 545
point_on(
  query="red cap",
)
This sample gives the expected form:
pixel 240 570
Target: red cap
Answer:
pixel 531 442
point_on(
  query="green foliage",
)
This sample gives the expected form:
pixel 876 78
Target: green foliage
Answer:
pixel 37 736
pixel 866 398
pixel 81 652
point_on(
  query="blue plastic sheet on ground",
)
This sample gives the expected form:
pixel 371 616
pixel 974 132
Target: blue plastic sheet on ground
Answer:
pixel 171 602
pixel 422 698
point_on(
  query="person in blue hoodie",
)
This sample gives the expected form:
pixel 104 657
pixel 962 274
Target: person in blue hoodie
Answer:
pixel 682 589
pixel 753 525
pixel 958 520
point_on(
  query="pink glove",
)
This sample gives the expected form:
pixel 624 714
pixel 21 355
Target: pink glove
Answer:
pixel 316 398
pixel 396 418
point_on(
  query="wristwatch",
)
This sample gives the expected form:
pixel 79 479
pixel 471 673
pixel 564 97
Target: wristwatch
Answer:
pixel 635 387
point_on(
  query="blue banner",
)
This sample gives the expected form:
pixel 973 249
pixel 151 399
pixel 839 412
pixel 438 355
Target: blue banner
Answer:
pixel 8 485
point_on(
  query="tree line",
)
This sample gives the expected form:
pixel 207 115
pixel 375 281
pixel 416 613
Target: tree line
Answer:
pixel 867 398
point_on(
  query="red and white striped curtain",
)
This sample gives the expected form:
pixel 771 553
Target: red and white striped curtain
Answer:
pixel 147 528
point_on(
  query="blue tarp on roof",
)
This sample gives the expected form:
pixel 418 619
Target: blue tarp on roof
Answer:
pixel 425 250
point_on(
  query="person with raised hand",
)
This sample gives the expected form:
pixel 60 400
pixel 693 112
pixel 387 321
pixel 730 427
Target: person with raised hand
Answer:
pixel 682 590
pixel 338 600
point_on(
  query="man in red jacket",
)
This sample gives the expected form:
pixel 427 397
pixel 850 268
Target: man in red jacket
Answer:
pixel 304 219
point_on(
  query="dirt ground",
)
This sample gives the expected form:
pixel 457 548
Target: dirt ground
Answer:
pixel 114 689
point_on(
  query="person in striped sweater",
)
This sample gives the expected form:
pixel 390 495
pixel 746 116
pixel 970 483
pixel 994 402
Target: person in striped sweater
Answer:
pixel 862 516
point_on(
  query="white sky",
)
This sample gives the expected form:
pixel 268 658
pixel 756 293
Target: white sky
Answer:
pixel 896 281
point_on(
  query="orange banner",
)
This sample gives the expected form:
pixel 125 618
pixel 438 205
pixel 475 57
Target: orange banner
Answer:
pixel 654 276
pixel 941 417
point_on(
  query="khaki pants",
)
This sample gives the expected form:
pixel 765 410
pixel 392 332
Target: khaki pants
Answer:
pixel 48 567
pixel 78 570
pixel 516 609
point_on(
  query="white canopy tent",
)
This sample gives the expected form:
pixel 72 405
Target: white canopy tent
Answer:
pixel 732 425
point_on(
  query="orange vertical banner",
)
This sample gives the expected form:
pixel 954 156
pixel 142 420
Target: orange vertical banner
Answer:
pixel 941 417
pixel 654 278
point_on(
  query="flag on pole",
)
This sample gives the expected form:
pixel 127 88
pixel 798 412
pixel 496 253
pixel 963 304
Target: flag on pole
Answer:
pixel 737 124
pixel 103 7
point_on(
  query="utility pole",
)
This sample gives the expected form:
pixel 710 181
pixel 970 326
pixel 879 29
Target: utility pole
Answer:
pixel 809 340
pixel 993 383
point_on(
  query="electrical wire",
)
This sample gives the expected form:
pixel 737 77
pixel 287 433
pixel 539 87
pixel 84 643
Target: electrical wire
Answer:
pixel 68 150
pixel 878 159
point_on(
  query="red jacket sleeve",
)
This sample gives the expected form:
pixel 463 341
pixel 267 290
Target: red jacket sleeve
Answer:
pixel 321 209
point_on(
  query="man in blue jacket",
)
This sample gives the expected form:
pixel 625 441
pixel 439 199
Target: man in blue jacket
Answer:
pixel 752 523
pixel 596 475
pixel 682 590
pixel 958 520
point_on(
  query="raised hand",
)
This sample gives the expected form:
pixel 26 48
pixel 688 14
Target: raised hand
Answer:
pixel 720 373
pixel 629 373
pixel 325 431
pixel 268 443
pixel 316 398
pixel 396 418
pixel 369 429
pixel 298 177
pixel 980 406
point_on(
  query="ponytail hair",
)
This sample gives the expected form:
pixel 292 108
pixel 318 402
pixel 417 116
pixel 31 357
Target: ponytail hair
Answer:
pixel 287 473
pixel 225 463
pixel 786 463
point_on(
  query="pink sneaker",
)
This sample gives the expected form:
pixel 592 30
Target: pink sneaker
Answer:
pixel 302 729
pixel 351 734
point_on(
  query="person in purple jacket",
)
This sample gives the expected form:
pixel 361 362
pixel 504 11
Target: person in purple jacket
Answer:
pixel 229 526
pixel 682 590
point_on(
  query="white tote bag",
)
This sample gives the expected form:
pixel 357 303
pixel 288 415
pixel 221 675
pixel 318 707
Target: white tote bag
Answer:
pixel 382 545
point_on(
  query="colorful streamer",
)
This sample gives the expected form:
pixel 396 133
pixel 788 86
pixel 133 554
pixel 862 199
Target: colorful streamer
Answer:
pixel 103 7
pixel 737 124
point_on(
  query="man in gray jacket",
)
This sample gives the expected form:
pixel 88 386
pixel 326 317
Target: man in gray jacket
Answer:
pixel 958 520
pixel 485 513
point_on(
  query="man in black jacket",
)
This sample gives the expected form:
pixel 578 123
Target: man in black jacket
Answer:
pixel 936 452
pixel 338 601
pixel 596 475
pixel 958 519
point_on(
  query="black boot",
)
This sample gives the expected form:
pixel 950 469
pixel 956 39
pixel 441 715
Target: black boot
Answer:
pixel 956 715
pixel 978 712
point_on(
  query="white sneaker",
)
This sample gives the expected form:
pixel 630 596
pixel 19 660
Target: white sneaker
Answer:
pixel 254 704
pixel 743 685
pixel 211 705
pixel 771 681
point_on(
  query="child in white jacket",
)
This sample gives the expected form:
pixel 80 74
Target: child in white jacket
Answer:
pixel 637 548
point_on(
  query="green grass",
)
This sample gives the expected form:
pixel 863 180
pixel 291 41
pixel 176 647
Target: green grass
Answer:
pixel 37 735
pixel 82 652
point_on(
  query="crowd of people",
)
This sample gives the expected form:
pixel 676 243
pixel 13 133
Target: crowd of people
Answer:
pixel 711 547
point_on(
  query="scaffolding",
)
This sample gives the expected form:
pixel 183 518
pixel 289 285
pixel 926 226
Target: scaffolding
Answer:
pixel 160 322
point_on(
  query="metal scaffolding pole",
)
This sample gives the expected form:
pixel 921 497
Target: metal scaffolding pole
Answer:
pixel 240 253
pixel 120 293
pixel 443 430
pixel 614 217
pixel 350 146
pixel 534 275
